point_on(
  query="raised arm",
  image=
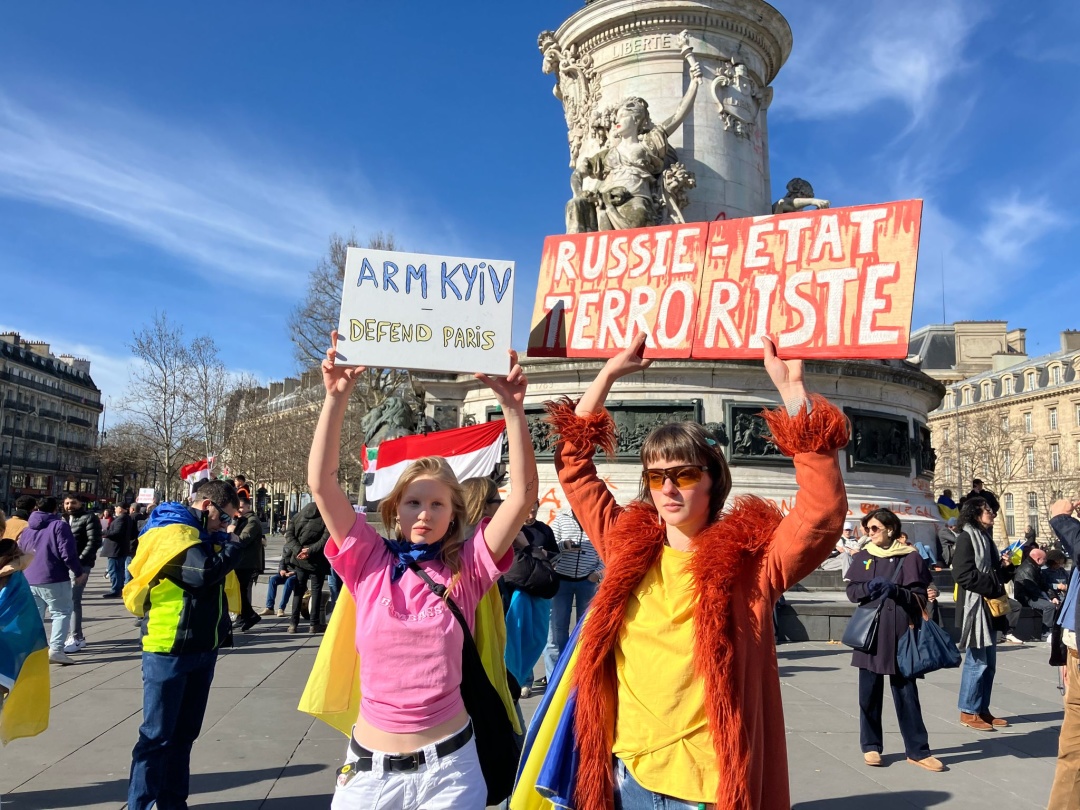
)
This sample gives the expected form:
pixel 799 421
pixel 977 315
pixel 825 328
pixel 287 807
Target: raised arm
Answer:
pixel 811 431
pixel 524 481
pixel 323 462
pixel 687 102
pixel 580 429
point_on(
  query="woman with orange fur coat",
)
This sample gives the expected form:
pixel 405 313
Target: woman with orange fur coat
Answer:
pixel 676 682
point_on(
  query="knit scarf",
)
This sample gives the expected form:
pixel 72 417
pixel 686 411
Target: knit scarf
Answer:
pixel 726 552
pixel 404 552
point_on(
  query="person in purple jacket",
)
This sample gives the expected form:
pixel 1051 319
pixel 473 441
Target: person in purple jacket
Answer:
pixel 48 537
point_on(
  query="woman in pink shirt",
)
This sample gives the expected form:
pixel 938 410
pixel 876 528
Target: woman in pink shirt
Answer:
pixel 412 744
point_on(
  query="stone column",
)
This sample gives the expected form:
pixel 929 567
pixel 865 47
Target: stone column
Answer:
pixel 612 49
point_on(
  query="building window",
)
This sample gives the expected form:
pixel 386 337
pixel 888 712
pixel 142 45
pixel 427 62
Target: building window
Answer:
pixel 1033 511
pixel 948 469
pixel 1007 385
pixel 987 390
pixel 1029 381
pixel 966 397
pixel 1029 460
pixel 1055 458
pixel 1052 414
pixel 961 432
pixel 1006 460
pixel 1005 423
pixel 1010 518
pixel 1027 422
pixel 945 431
pixel 1055 375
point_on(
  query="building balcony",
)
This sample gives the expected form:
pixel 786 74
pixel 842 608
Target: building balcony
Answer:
pixel 10 431
pixel 15 405
pixel 74 420
pixel 45 413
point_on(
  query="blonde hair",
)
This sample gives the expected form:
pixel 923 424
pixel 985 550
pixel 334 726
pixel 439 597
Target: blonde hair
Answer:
pixel 478 491
pixel 435 468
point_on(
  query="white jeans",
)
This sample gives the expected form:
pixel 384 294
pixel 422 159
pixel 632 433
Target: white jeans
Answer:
pixel 453 782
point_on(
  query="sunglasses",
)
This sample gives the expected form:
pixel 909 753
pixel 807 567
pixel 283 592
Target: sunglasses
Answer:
pixel 685 475
pixel 874 529
pixel 223 516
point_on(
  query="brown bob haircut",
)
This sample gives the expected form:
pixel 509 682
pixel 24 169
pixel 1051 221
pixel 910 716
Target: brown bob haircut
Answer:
pixel 690 444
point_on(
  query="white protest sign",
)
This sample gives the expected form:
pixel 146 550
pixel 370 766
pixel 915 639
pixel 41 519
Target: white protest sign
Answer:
pixel 146 495
pixel 433 313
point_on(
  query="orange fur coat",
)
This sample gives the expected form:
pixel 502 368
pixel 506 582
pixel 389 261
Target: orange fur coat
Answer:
pixel 742 564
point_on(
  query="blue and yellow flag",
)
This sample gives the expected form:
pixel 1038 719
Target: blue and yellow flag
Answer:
pixel 547 771
pixel 170 531
pixel 24 663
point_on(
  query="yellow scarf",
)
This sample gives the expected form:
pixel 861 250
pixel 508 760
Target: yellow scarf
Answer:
pixel 897 549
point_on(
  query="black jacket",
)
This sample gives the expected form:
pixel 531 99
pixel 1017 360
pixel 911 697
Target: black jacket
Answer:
pixel 87 530
pixel 307 530
pixel 118 537
pixel 249 533
pixel 896 612
pixel 1029 584
pixel 987 496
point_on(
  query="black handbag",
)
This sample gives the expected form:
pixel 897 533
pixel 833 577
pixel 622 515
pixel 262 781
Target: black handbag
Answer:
pixel 495 744
pixel 925 648
pixel 532 573
pixel 861 631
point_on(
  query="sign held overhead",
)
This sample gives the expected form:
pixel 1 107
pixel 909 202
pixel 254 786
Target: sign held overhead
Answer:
pixel 420 311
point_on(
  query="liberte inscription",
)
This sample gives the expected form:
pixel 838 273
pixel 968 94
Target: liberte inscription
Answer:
pixel 656 42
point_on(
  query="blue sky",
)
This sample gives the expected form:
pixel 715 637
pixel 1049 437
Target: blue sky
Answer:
pixel 195 157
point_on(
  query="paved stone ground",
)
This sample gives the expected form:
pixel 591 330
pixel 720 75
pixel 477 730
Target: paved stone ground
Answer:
pixel 257 752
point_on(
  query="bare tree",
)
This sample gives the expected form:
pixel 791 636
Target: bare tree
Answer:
pixel 310 323
pixel 157 396
pixel 208 394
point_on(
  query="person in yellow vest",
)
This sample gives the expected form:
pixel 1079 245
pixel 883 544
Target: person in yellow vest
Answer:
pixel 178 587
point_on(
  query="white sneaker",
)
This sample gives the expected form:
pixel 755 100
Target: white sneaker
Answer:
pixel 74 644
pixel 1045 637
pixel 60 657
pixel 1012 638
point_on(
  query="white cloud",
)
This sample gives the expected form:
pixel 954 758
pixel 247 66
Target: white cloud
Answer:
pixel 1014 223
pixel 171 186
pixel 850 56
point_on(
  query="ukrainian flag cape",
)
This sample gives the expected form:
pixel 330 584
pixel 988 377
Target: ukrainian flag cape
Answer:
pixel 24 663
pixel 547 772
pixel 332 693
pixel 170 530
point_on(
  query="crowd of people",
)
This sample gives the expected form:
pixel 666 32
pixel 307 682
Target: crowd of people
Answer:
pixel 653 619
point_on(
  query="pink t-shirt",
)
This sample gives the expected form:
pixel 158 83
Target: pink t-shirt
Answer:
pixel 408 639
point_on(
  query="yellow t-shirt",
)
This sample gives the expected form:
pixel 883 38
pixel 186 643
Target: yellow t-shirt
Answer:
pixel 661 732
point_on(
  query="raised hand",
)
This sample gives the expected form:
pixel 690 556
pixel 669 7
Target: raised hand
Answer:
pixel 786 375
pixel 509 390
pixel 338 380
pixel 629 360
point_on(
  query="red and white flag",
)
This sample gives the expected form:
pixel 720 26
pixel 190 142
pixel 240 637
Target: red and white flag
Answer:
pixel 471 452
pixel 197 470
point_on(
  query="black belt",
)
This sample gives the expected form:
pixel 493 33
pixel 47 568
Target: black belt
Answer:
pixel 408 762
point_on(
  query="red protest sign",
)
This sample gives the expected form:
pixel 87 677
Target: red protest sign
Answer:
pixel 594 286
pixel 832 283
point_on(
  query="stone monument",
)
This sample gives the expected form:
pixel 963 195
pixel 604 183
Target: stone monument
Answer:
pixel 665 104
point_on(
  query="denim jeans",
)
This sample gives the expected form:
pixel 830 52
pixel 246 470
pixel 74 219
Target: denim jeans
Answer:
pixel 570 591
pixel 76 602
pixel 115 568
pixel 175 691
pixel 629 795
pixel 57 597
pixel 127 569
pixel 928 553
pixel 977 679
pixel 272 586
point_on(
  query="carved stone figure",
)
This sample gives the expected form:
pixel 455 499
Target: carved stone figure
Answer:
pixel 575 87
pixel 391 419
pixel 631 190
pixel 739 97
pixel 800 195
pixel 751 437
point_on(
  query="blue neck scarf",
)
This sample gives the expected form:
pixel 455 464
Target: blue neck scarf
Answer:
pixel 404 552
